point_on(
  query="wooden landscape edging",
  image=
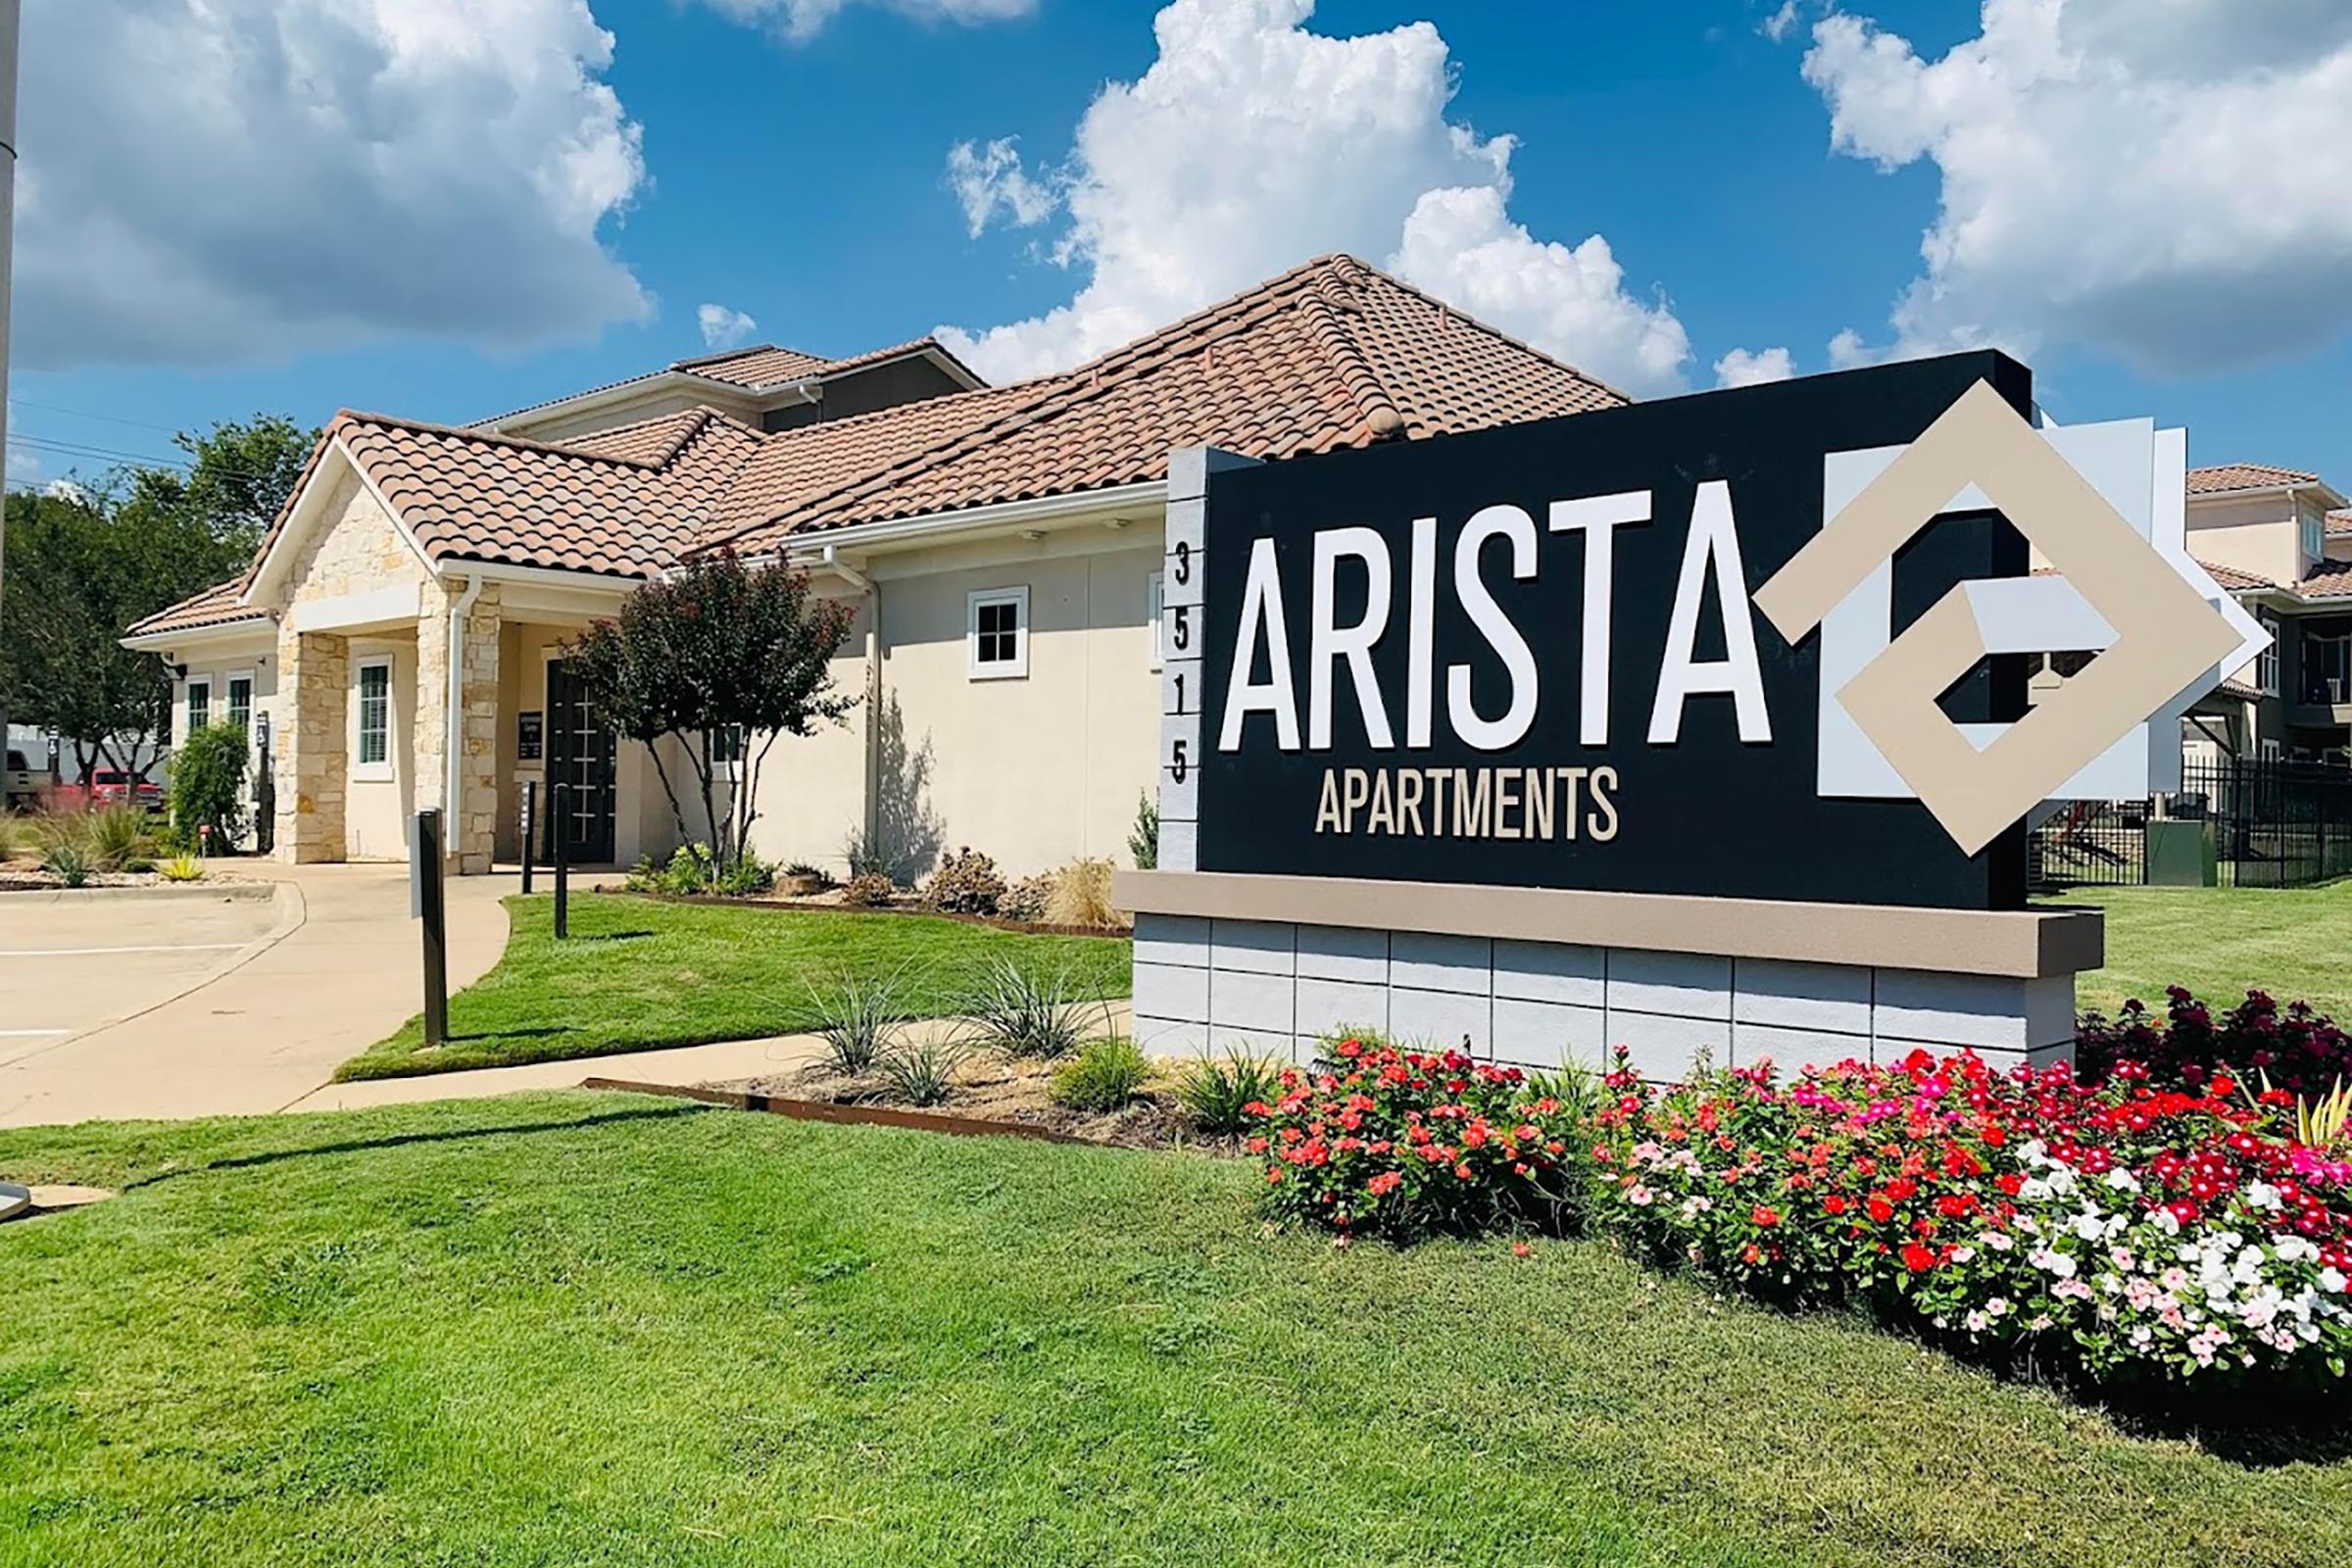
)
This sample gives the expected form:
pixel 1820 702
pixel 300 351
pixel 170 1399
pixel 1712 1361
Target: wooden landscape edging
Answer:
pixel 826 1110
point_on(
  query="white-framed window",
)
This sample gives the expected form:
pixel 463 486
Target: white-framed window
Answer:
pixel 2270 751
pixel 200 704
pixel 1157 597
pixel 726 751
pixel 375 715
pixel 996 633
pixel 240 701
pixel 2266 663
pixel 2315 535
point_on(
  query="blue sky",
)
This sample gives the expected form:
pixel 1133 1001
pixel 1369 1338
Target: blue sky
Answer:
pixel 803 181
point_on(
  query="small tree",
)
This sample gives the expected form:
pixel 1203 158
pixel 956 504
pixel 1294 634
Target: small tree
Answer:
pixel 725 658
pixel 207 786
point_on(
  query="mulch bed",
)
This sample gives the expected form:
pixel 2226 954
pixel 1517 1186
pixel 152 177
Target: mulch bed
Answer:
pixel 833 904
pixel 992 1097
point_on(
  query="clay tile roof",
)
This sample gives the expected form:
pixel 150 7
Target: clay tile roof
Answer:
pixel 1332 354
pixel 2244 476
pixel 465 495
pixel 2234 581
pixel 761 365
pixel 1329 354
pixel 2339 523
pixel 217 606
pixel 2326 579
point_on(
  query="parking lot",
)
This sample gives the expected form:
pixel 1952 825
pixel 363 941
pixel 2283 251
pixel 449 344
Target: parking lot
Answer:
pixel 68 963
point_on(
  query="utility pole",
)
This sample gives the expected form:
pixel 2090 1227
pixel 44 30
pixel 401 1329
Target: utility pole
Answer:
pixel 11 14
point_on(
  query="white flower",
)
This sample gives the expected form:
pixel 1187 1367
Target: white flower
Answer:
pixel 2331 1280
pixel 2261 1194
pixel 1961 1254
pixel 2033 1151
pixel 1995 1240
pixel 2122 1181
pixel 2089 1226
pixel 2051 1262
pixel 2293 1249
pixel 2166 1221
pixel 2035 1191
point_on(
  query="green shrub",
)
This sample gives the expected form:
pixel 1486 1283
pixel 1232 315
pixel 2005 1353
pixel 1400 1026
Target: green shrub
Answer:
pixel 921 1072
pixel 965 883
pixel 181 868
pixel 10 834
pixel 870 890
pixel 1143 841
pixel 69 862
pixel 1020 1014
pixel 859 1014
pixel 208 784
pixel 1213 1090
pixel 1106 1076
pixel 689 870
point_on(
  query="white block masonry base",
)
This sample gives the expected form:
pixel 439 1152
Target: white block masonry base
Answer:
pixel 1207 983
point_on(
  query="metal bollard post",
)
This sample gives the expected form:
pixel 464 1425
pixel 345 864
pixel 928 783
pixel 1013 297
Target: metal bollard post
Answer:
pixel 563 862
pixel 425 901
pixel 531 828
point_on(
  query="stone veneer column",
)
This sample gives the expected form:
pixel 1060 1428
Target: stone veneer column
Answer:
pixel 313 765
pixel 471 821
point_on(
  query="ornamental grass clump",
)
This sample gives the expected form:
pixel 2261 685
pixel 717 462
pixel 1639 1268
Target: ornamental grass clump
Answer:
pixel 1217 1092
pixel 2123 1232
pixel 1022 1015
pixel 1106 1075
pixel 1401 1144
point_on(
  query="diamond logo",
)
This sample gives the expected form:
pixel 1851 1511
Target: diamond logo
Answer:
pixel 2166 635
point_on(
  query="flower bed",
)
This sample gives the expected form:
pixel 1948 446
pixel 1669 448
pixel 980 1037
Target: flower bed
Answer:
pixel 2123 1233
pixel 2124 1230
pixel 1401 1144
pixel 2290 1049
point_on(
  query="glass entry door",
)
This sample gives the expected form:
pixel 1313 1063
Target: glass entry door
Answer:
pixel 580 753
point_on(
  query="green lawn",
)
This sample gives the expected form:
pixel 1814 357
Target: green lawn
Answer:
pixel 2296 943
pixel 637 974
pixel 571 1329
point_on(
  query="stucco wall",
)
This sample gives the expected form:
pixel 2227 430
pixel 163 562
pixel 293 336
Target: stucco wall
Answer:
pixel 2256 535
pixel 216 668
pixel 1036 770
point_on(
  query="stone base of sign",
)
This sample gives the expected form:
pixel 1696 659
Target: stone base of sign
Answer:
pixel 1277 972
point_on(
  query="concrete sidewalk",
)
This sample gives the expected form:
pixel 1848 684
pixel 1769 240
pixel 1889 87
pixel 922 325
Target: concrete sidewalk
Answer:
pixel 680 1066
pixel 272 1023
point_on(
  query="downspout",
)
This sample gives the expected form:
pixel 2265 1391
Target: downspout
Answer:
pixel 454 740
pixel 864 587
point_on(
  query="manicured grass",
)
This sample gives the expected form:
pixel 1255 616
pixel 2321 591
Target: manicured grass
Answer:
pixel 2293 943
pixel 637 974
pixel 580 1330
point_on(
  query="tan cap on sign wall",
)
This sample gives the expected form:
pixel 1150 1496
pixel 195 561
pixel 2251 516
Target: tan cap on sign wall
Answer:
pixel 2165 634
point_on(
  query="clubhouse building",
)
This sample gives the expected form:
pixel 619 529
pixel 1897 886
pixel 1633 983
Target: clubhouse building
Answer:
pixel 400 632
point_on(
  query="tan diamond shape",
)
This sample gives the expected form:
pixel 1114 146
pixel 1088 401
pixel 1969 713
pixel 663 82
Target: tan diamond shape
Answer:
pixel 2165 634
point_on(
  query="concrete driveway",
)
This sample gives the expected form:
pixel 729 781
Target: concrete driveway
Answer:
pixel 183 1002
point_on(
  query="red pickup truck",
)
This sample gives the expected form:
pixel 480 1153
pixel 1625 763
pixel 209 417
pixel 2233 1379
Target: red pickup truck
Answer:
pixel 111 786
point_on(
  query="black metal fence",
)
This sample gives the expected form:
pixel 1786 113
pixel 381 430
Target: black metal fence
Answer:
pixel 2277 824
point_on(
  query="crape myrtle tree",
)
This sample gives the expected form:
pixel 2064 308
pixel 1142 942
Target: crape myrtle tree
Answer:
pixel 725 658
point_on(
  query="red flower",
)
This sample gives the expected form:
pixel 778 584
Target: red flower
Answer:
pixel 1387 1182
pixel 1766 1217
pixel 1835 1203
pixel 1916 1258
pixel 1880 1209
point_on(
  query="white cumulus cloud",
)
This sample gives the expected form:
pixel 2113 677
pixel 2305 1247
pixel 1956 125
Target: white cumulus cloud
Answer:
pixel 2161 182
pixel 1781 23
pixel 1746 368
pixel 991 176
pixel 1252 144
pixel 723 328
pixel 800 19
pixel 204 180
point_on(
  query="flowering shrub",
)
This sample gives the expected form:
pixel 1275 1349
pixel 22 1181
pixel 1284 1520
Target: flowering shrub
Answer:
pixel 2125 1231
pixel 2292 1048
pixel 1401 1144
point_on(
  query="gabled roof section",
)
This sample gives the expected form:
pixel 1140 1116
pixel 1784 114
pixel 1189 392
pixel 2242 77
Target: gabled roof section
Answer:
pixel 1329 354
pixel 627 511
pixel 2244 476
pixel 220 605
pixel 2339 523
pixel 762 367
